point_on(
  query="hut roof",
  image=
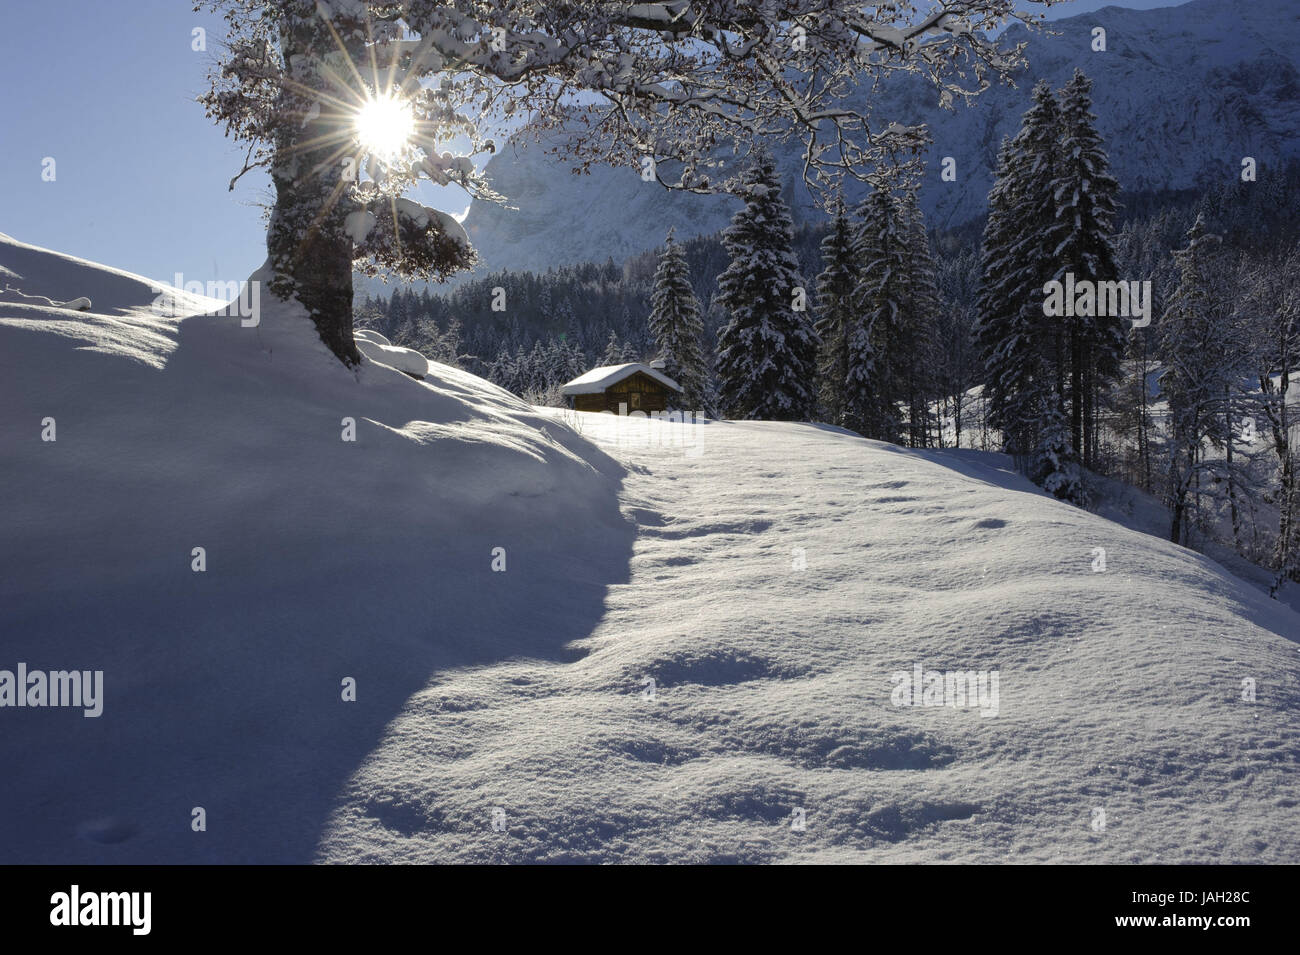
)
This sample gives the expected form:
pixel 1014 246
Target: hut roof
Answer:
pixel 598 379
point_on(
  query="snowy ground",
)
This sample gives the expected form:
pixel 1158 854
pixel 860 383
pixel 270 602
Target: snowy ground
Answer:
pixel 771 579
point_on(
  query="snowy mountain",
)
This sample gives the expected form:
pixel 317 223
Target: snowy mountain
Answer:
pixel 1182 94
pixel 482 631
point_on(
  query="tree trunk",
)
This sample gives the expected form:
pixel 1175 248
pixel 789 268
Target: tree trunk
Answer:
pixel 1232 480
pixel 1182 472
pixel 1076 398
pixel 309 248
pixel 1144 419
pixel 1178 491
pixel 318 266
pixel 1197 513
pixel 1281 424
pixel 1284 549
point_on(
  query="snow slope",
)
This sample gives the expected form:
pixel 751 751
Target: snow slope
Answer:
pixel 325 560
pixel 505 716
pixel 1120 690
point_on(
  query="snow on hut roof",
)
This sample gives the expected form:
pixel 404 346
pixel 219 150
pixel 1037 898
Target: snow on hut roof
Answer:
pixel 598 379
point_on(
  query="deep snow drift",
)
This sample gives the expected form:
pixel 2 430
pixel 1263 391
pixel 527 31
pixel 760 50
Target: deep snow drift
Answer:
pixel 773 580
pixel 325 560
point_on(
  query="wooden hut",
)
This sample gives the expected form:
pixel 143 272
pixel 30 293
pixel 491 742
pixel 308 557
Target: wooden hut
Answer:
pixel 623 389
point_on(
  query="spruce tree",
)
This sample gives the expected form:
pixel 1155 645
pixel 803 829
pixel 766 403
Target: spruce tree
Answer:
pixel 835 316
pixel 613 350
pixel 875 378
pixel 917 331
pixel 956 363
pixel 1085 195
pixel 676 325
pixel 1055 466
pixel 1024 354
pixel 1004 343
pixel 767 351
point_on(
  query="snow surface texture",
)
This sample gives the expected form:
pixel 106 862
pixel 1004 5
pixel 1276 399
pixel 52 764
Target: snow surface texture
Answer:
pixel 770 578
pixel 1181 94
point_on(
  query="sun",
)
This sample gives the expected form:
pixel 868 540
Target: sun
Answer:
pixel 384 125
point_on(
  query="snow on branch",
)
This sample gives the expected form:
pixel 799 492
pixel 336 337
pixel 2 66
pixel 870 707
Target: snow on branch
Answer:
pixel 402 235
pixel 680 82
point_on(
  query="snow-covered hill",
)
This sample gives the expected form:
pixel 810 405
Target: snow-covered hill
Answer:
pixel 325 559
pixel 775 581
pixel 1182 93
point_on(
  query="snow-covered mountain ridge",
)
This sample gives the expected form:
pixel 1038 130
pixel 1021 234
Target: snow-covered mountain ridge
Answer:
pixel 1182 94
pixel 576 637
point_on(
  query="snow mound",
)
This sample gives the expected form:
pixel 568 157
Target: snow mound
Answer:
pixel 403 359
pixel 349 522
pixel 370 335
pixel 10 294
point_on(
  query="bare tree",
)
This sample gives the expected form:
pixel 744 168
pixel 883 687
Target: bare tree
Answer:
pixel 667 86
pixel 1274 301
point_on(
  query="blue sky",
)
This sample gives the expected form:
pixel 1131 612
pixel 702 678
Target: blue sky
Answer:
pixel 106 88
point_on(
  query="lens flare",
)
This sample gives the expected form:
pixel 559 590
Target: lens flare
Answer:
pixel 384 125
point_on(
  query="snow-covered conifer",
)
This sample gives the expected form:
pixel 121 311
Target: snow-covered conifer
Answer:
pixel 767 352
pixel 918 327
pixel 1085 196
pixel 676 325
pixel 1054 465
pixel 835 315
pixel 613 350
pixel 1023 353
pixel 876 343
